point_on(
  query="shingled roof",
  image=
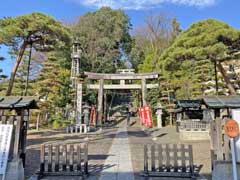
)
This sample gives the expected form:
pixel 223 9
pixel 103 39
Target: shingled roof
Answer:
pixel 18 102
pixel 220 102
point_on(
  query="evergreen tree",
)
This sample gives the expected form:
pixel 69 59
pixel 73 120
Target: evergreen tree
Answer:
pixel 40 31
pixel 190 58
pixel 105 39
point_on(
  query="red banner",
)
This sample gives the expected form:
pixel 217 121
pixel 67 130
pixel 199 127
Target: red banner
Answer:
pixel 143 116
pixel 148 116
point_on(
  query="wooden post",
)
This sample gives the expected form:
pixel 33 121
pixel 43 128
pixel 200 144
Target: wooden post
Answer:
pixel 17 138
pixel 144 90
pixel 219 135
pixel 23 138
pixel 79 103
pixel 100 102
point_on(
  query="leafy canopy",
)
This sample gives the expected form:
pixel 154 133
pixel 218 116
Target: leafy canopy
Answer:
pixel 37 28
pixel 104 38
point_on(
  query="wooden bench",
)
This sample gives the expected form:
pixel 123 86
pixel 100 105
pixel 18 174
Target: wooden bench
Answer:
pixel 168 160
pixel 81 128
pixel 64 160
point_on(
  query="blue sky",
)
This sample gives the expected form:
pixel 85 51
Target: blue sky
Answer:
pixel 186 12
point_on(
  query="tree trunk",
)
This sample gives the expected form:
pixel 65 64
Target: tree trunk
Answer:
pixel 226 79
pixel 28 71
pixel 15 68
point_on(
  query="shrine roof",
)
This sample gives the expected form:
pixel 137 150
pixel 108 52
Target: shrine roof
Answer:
pixel 220 102
pixel 18 102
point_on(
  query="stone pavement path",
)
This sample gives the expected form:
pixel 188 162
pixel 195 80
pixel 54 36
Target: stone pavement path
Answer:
pixel 120 158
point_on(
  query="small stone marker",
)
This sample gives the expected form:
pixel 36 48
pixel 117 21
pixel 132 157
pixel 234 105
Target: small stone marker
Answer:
pixel 5 140
pixel 232 128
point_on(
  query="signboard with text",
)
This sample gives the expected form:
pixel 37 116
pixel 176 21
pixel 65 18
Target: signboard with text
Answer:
pixel 5 141
pixel 232 128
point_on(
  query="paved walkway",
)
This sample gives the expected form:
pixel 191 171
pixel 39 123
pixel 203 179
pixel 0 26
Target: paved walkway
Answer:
pixel 119 158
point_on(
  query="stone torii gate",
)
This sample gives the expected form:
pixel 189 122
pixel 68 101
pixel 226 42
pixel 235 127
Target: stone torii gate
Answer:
pixel 123 76
pixel 100 77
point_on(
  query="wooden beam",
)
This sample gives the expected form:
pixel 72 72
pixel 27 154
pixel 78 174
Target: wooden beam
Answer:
pixel 98 76
pixel 125 86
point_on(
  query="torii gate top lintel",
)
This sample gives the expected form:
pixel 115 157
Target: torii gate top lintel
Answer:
pixel 139 76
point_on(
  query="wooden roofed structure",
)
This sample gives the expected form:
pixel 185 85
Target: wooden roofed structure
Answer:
pixel 14 113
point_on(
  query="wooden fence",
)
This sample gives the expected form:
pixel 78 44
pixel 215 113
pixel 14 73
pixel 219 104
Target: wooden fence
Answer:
pixel 64 160
pixel 168 160
pixel 81 128
pixel 190 125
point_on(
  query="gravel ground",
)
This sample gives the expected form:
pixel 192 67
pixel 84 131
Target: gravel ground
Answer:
pixel 99 145
pixel 168 135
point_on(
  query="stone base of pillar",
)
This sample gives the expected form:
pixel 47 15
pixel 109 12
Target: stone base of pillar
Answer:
pixel 15 170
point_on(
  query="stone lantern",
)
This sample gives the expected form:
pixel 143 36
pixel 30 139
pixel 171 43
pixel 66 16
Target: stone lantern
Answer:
pixel 86 114
pixel 159 112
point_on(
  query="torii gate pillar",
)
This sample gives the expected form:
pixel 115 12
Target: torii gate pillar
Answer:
pixel 100 102
pixel 144 91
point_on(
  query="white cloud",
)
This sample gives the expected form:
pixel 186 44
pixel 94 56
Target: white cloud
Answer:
pixel 142 4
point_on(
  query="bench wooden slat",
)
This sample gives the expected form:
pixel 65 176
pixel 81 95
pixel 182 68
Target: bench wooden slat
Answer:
pixel 153 157
pixel 49 158
pixel 86 158
pixel 160 158
pixel 167 158
pixel 79 161
pixel 183 158
pixel 56 164
pixel 64 157
pixel 71 149
pixel 42 158
pixel 175 157
pixel 191 159
pixel 145 158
